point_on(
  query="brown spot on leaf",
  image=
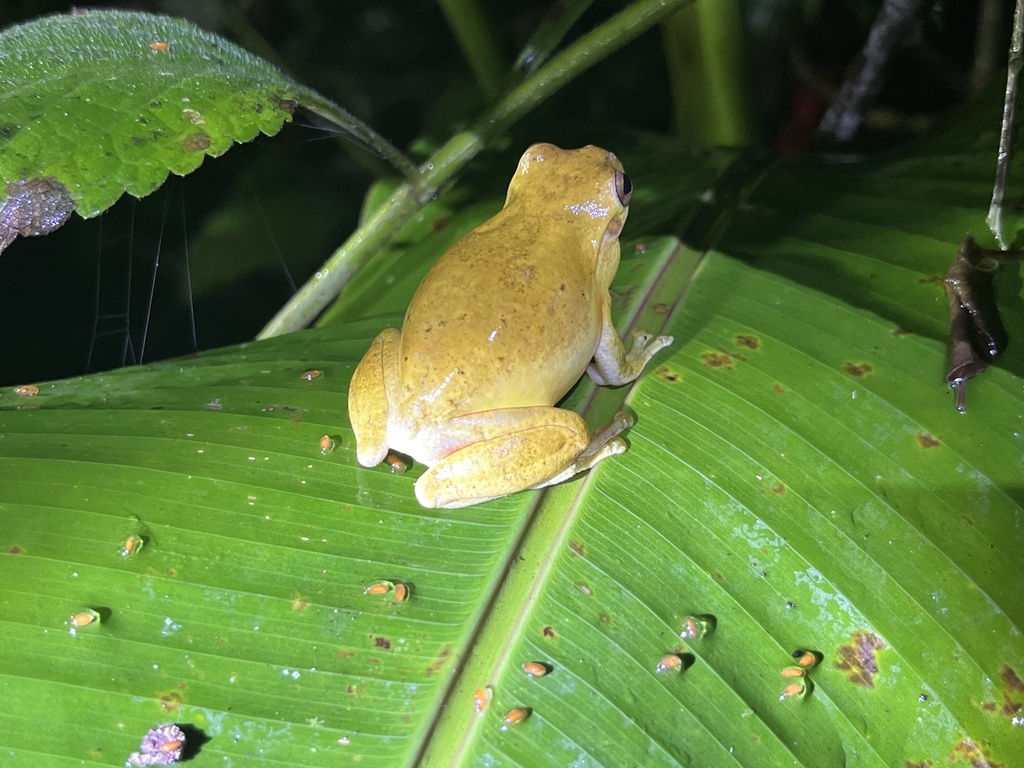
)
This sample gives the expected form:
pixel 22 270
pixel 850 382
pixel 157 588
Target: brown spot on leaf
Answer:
pixel 779 389
pixel 925 440
pixel 779 488
pixel 661 309
pixel 749 341
pixel 604 618
pixel 299 602
pixel 549 633
pixel 439 223
pixel 717 359
pixel 1011 678
pixel 974 754
pixel 196 142
pixel 382 642
pixel 439 661
pixel 667 374
pixel 16 550
pixel 898 332
pixel 171 701
pixel 858 659
pixel 33 207
pixel 858 370
pixel 345 653
pixel 577 548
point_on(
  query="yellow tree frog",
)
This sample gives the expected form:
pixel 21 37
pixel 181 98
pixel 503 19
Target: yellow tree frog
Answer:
pixel 499 330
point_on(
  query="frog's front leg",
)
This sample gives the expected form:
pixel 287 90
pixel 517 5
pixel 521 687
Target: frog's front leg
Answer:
pixel 368 409
pixel 510 450
pixel 612 365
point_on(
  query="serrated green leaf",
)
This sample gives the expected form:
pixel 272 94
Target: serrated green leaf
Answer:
pixel 105 102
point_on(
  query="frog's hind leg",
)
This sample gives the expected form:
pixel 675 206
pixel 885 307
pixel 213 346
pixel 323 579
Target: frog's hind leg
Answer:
pixel 513 450
pixel 368 408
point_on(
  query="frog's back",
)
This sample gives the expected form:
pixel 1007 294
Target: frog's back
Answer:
pixel 496 323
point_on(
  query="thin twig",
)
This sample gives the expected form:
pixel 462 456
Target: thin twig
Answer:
pixel 995 210
pixel 866 76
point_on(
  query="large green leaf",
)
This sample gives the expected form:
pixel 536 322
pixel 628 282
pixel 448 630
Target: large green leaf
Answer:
pixel 797 471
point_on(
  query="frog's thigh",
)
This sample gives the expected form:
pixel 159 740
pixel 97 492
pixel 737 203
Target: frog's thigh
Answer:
pixel 506 451
pixel 368 400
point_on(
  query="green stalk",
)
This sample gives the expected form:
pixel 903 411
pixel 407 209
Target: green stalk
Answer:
pixel 549 34
pixel 479 43
pixel 704 48
pixel 446 163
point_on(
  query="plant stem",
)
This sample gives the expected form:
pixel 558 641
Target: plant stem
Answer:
pixel 1013 67
pixel 479 43
pixel 704 58
pixel 549 35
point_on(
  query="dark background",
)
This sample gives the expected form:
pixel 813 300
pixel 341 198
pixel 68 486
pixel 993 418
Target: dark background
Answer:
pixel 239 234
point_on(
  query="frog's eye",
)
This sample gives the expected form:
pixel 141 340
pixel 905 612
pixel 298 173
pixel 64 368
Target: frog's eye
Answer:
pixel 623 187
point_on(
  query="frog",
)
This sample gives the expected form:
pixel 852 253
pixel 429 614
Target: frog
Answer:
pixel 502 326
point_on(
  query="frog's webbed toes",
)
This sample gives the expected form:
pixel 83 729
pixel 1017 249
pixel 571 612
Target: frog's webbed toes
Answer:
pixel 646 346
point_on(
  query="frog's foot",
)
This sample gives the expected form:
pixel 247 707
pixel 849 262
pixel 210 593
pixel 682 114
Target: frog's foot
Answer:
pixel 645 346
pixel 613 366
pixel 605 442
